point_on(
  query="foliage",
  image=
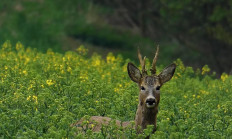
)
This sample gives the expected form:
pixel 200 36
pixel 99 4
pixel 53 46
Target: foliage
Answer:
pixel 105 36
pixel 202 27
pixel 48 24
pixel 36 24
pixel 209 18
pixel 42 94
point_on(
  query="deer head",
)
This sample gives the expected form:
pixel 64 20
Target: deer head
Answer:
pixel 149 85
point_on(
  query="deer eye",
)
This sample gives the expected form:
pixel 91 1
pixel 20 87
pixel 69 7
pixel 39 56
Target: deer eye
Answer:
pixel 142 88
pixel 158 88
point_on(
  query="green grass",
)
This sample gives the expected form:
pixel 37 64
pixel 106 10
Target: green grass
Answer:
pixel 42 94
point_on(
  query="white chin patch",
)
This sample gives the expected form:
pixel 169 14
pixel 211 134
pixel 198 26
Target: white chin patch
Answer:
pixel 150 106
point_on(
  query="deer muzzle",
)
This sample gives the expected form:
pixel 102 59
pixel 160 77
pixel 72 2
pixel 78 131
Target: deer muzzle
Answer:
pixel 150 102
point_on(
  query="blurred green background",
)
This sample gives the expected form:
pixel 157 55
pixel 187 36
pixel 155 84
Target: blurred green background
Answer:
pixel 198 32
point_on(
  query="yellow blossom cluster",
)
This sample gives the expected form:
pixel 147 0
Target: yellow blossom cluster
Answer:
pixel 50 82
pixel 224 76
pixel 82 50
pixel 205 69
pixel 34 99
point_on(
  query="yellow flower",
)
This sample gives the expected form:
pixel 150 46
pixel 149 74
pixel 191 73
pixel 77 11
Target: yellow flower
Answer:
pixel 49 82
pixel 6 45
pixel 27 60
pixel 97 62
pixel 84 77
pixel 82 50
pixel 110 58
pixel 35 98
pixel 29 97
pixel 204 92
pixel 42 85
pixel 50 52
pixel 224 76
pixel 62 71
pixel 19 46
pixel 205 69
pixel 25 72
pixel 62 66
pixel 116 90
pixel 69 69
pixel 179 75
pixel 30 87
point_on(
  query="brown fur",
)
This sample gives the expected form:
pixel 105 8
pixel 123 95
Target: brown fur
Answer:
pixel 95 123
pixel 147 116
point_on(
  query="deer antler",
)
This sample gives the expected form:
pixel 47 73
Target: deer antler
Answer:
pixel 153 69
pixel 142 62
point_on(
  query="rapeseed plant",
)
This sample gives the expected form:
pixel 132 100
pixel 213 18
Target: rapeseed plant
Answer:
pixel 224 76
pixel 42 94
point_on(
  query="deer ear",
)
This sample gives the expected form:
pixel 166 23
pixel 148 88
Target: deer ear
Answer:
pixel 134 72
pixel 167 73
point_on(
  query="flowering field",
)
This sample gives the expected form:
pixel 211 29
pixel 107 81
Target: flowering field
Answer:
pixel 41 95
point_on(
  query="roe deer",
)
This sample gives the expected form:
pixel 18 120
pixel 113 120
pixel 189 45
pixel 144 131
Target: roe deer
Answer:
pixel 149 96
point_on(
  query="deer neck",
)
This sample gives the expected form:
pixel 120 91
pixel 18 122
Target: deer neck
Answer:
pixel 145 116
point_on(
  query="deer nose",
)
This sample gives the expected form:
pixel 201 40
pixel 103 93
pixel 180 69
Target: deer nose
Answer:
pixel 150 101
